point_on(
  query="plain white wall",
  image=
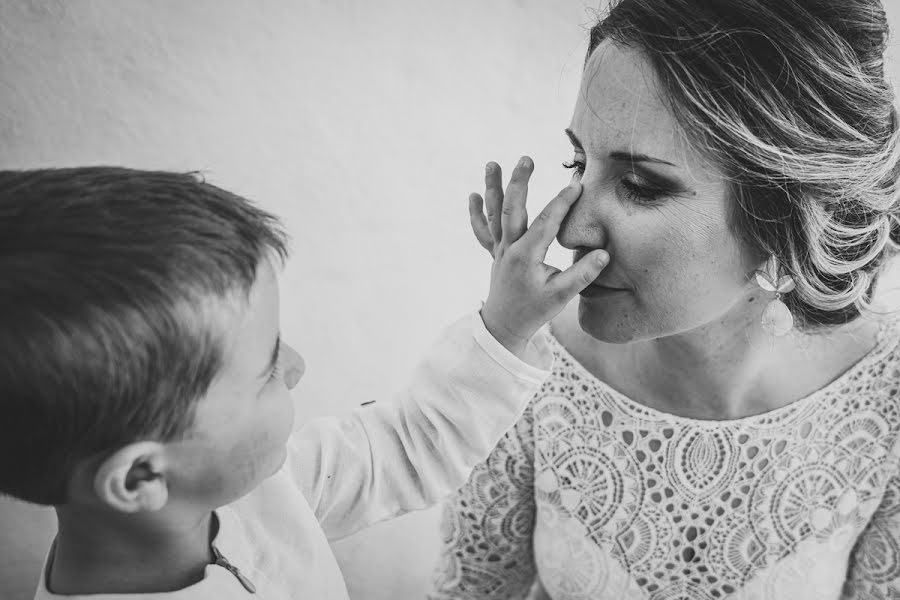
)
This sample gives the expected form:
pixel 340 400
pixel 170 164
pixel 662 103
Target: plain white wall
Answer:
pixel 363 124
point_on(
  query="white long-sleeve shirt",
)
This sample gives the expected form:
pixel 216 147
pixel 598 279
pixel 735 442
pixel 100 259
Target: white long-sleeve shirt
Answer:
pixel 343 474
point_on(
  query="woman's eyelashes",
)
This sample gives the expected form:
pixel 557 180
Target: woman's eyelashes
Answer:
pixel 637 192
pixel 577 166
pixel 633 187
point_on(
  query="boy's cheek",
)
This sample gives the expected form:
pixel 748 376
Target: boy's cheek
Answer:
pixel 216 480
pixel 232 456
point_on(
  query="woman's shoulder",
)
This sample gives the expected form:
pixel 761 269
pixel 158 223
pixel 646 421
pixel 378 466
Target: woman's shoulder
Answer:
pixel 882 362
pixel 883 352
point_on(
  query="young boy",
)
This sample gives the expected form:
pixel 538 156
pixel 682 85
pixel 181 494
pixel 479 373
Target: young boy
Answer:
pixel 145 388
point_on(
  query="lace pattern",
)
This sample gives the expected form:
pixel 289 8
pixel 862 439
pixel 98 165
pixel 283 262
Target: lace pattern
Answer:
pixel 600 497
pixel 487 528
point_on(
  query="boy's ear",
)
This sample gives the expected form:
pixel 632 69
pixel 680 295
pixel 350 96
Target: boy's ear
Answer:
pixel 133 478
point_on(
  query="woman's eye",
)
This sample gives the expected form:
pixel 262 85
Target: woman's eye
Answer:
pixel 635 189
pixel 640 193
pixel 576 165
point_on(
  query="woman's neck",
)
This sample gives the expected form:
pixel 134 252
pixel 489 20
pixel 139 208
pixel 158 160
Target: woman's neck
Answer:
pixel 727 369
pixel 102 552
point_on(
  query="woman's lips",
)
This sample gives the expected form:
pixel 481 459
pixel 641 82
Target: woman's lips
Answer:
pixel 596 290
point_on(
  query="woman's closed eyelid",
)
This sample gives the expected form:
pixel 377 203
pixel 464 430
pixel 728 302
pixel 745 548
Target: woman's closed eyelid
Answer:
pixel 637 189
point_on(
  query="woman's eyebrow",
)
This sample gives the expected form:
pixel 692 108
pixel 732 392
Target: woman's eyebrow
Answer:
pixel 622 156
pixel 638 158
pixel 574 139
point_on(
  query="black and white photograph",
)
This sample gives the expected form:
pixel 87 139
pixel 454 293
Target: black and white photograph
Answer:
pixel 471 300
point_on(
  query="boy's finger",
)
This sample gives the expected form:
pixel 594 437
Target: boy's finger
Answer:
pixel 546 225
pixel 479 223
pixel 515 217
pixel 581 274
pixel 493 198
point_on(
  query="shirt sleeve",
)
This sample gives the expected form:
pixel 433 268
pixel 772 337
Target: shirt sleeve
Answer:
pixel 488 526
pixel 874 569
pixel 387 459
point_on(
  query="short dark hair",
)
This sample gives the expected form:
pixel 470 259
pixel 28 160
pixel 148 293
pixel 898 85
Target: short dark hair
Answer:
pixel 104 276
pixel 790 100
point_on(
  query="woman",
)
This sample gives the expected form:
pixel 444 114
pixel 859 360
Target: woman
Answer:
pixel 723 417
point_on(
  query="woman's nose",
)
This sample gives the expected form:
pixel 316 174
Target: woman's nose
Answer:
pixel 294 367
pixel 582 227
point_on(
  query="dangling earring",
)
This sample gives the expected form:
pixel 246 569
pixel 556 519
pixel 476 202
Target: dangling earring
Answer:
pixel 776 318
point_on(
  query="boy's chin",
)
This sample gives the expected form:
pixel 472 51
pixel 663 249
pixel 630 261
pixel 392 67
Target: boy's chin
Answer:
pixel 273 463
pixel 281 458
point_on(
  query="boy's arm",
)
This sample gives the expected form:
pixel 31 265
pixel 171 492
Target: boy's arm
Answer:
pixel 388 459
pixel 471 388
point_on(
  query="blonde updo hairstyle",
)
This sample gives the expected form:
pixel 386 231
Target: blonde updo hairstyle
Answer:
pixel 789 99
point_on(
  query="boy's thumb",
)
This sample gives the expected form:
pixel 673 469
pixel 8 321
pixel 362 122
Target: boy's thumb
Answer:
pixel 584 272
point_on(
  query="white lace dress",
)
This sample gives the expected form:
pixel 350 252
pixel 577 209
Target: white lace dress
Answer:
pixel 594 496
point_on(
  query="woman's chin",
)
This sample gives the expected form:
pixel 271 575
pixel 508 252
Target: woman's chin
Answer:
pixel 605 322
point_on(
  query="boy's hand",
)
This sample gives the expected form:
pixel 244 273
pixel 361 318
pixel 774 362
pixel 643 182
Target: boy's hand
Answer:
pixel 525 292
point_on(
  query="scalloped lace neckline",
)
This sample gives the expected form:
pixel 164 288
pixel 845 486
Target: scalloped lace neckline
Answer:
pixel 886 339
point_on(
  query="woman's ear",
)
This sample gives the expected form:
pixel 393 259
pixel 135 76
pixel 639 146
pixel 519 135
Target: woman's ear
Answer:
pixel 132 479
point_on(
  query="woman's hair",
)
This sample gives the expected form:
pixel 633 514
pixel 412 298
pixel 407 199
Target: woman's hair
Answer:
pixel 113 283
pixel 789 99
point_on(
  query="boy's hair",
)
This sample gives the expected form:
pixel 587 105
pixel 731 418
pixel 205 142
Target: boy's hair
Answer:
pixel 106 279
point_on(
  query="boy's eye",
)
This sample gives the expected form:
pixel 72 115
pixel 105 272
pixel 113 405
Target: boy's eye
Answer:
pixel 276 372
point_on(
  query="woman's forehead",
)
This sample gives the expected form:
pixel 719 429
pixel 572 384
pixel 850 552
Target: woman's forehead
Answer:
pixel 620 107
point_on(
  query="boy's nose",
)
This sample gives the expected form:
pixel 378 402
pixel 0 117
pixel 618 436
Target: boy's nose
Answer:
pixel 294 367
